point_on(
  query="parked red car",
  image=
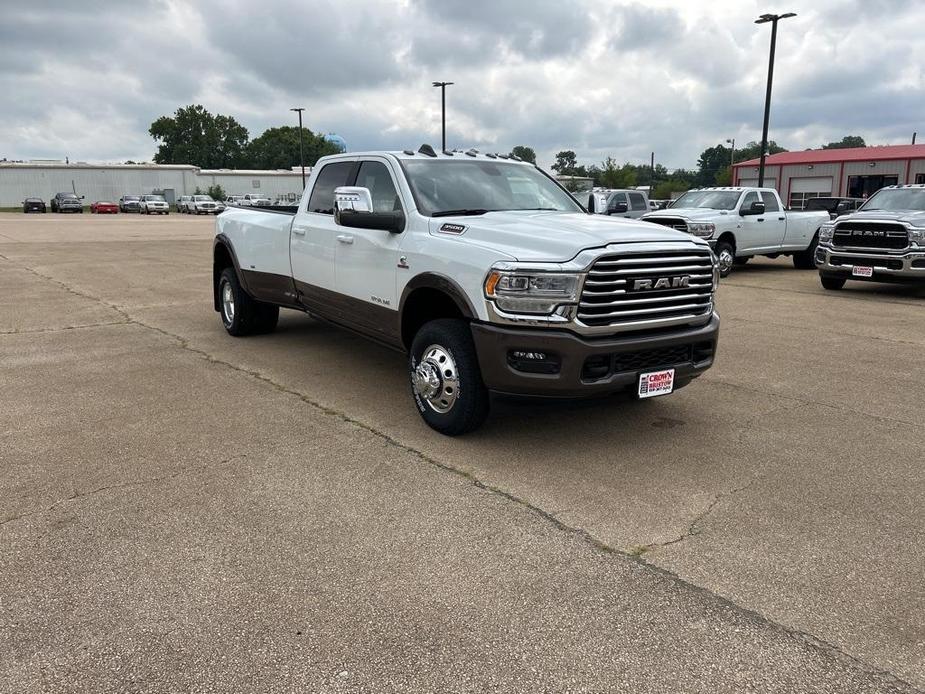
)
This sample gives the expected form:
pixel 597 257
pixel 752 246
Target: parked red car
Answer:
pixel 104 207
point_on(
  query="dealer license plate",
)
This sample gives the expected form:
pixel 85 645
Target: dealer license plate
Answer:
pixel 656 383
pixel 861 271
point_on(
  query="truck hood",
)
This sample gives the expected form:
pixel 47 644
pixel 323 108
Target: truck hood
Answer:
pixel 552 236
pixel 914 217
pixel 694 214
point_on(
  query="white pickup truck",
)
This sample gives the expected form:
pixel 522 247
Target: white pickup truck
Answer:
pixel 745 222
pixel 484 270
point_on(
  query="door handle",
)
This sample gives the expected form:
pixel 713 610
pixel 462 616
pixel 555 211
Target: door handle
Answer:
pixel 781 219
pixel 344 238
pixel 760 219
pixel 298 231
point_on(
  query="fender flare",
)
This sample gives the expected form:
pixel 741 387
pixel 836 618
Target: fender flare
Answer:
pixel 225 242
pixel 441 283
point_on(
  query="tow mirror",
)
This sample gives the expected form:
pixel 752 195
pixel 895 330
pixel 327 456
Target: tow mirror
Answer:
pixel 353 207
pixel 617 208
pixel 755 208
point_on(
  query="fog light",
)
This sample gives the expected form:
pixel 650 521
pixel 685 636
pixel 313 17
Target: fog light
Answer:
pixel 534 361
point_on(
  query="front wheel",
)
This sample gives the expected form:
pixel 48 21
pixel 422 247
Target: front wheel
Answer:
pixel 832 283
pixel 446 382
pixel 726 256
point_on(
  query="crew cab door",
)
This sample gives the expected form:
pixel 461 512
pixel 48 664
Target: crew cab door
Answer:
pixel 312 237
pixel 366 260
pixel 760 233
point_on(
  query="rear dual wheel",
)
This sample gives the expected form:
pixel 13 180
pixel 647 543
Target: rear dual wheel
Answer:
pixel 242 314
pixel 725 256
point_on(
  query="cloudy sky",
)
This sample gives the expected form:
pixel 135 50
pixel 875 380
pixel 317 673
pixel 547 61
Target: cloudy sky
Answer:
pixel 86 79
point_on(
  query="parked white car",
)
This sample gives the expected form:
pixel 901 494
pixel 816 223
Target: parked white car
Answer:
pixel 234 199
pixel 255 200
pixel 614 202
pixel 484 270
pixel 153 204
pixel 204 204
pixel 183 203
pixel 744 222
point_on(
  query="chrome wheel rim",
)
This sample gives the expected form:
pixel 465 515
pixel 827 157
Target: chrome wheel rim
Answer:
pixel 726 260
pixel 227 302
pixel 435 379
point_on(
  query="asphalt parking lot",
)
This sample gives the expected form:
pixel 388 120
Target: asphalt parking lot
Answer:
pixel 180 510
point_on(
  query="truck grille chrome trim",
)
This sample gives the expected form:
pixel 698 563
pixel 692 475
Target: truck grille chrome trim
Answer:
pixel 871 235
pixel 673 222
pixel 647 290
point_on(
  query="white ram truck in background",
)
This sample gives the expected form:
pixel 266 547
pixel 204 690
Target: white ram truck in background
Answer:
pixel 485 270
pixel 618 202
pixel 744 222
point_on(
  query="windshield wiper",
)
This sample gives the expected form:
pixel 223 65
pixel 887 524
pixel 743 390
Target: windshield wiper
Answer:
pixel 461 213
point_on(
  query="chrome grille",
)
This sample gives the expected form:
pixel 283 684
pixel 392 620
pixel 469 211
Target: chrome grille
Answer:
pixel 643 290
pixel 884 236
pixel 673 222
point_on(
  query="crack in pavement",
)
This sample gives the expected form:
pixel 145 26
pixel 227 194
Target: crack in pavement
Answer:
pixel 62 329
pixel 122 485
pixel 580 533
pixel 693 529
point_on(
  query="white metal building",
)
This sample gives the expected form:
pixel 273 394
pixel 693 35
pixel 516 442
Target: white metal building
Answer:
pixel 42 179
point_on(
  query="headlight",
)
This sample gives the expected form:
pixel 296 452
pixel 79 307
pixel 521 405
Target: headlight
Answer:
pixel 703 230
pixel 826 231
pixel 531 291
pixel 918 236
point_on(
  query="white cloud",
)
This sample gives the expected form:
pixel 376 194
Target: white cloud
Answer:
pixel 604 78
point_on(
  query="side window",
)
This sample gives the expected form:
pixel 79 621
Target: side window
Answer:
pixel 616 199
pixel 749 199
pixel 770 202
pixel 637 202
pixel 330 177
pixel 375 176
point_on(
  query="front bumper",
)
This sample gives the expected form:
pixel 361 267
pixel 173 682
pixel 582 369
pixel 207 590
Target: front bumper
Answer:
pixel 888 267
pixel 588 367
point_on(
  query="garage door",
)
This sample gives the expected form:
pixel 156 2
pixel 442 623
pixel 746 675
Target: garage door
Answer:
pixel 753 182
pixel 802 189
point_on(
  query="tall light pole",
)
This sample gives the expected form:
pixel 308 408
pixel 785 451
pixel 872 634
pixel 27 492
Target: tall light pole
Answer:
pixel 774 19
pixel 732 152
pixel 443 86
pixel 301 154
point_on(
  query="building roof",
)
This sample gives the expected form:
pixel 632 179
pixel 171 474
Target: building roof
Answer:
pixel 828 156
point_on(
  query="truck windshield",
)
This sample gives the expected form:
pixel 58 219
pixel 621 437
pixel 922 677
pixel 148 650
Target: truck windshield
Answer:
pixel 444 187
pixel 709 199
pixel 897 199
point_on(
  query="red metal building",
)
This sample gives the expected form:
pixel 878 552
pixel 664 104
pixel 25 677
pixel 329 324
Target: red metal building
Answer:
pixel 855 173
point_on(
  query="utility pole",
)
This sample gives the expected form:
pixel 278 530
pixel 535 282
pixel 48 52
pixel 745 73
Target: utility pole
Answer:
pixel 443 86
pixel 301 152
pixel 763 19
pixel 652 175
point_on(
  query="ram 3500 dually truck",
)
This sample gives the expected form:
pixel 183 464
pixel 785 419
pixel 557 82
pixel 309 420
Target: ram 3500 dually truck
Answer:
pixel 884 241
pixel 484 270
pixel 743 222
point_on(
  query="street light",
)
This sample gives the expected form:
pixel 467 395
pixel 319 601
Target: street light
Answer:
pixel 301 156
pixel 443 86
pixel 732 152
pixel 763 19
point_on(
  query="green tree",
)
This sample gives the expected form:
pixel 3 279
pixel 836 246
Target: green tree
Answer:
pixel 613 176
pixel 216 192
pixel 278 148
pixel 665 189
pixel 846 142
pixel 194 136
pixel 714 160
pixel 723 176
pixel 525 153
pixel 566 163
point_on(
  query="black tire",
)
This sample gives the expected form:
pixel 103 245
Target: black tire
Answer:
pixel 806 260
pixel 247 316
pixel 832 283
pixel 741 260
pixel 467 395
pixel 722 248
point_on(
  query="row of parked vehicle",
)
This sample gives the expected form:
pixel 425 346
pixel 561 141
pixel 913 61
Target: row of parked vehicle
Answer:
pixel 144 204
